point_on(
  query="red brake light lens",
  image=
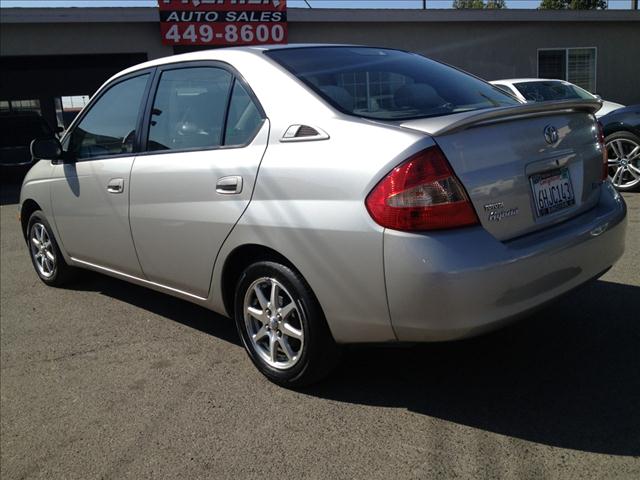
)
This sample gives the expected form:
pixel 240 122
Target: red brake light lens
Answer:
pixel 421 193
pixel 603 148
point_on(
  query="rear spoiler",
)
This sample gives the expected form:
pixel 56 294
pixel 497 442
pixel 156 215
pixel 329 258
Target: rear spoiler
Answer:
pixel 461 121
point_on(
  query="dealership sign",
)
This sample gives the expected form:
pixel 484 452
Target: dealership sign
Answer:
pixel 223 22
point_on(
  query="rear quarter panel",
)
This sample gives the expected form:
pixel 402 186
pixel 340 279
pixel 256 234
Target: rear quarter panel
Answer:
pixel 308 205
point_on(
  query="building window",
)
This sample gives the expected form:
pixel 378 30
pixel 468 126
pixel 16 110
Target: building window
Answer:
pixel 20 106
pixel 67 108
pixel 371 91
pixel 575 65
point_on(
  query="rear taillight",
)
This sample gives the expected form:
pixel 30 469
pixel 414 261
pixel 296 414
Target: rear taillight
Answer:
pixel 421 193
pixel 603 149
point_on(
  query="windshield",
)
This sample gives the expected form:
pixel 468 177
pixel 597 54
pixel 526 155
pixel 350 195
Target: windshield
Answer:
pixel 544 91
pixel 388 84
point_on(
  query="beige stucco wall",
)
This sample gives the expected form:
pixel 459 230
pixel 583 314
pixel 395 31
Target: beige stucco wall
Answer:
pixel 494 50
pixel 81 38
pixel 490 49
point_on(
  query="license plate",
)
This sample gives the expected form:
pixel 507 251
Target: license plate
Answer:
pixel 552 191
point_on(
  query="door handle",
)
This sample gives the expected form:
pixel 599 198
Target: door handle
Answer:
pixel 229 185
pixel 115 185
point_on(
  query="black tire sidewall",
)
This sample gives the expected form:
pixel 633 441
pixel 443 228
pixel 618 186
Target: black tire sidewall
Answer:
pixel 314 326
pixel 627 136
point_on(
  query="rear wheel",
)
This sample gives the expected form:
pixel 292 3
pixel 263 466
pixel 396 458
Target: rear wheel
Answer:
pixel 623 154
pixel 282 325
pixel 47 260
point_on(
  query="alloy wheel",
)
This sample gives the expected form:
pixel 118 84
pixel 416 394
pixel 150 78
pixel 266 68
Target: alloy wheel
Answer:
pixel 42 250
pixel 274 323
pixel 623 161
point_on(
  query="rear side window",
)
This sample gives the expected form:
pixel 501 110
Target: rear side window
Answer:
pixel 189 109
pixel 109 127
pixel 388 84
pixel 244 118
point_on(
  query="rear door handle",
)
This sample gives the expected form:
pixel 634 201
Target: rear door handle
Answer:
pixel 229 185
pixel 115 185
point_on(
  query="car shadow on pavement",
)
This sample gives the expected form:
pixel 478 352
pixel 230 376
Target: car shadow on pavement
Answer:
pixel 569 376
pixel 9 191
pixel 161 304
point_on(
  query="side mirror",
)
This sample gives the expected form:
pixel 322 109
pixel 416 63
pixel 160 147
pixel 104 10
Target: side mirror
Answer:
pixel 46 149
pixel 598 97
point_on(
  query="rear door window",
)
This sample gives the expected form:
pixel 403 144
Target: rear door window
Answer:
pixel 189 109
pixel 388 84
pixel 244 118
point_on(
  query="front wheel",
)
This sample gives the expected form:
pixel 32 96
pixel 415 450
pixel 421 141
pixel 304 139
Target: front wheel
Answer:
pixel 45 253
pixel 282 325
pixel 623 159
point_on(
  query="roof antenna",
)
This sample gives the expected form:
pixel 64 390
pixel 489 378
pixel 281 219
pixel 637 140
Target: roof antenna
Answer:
pixel 308 4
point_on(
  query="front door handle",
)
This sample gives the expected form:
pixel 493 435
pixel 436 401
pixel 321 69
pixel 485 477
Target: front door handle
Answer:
pixel 229 185
pixel 115 185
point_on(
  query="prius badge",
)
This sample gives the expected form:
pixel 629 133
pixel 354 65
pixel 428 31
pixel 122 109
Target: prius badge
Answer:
pixel 496 212
pixel 550 134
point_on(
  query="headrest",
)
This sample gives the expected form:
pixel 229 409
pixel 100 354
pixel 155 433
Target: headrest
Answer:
pixel 339 95
pixel 417 95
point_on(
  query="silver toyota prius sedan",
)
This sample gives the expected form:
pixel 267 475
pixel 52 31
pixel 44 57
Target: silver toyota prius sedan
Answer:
pixel 326 195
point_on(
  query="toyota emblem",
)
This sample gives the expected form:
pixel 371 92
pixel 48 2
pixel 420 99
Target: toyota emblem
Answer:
pixel 550 134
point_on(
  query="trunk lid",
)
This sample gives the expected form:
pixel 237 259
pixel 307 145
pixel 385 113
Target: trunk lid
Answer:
pixel 519 174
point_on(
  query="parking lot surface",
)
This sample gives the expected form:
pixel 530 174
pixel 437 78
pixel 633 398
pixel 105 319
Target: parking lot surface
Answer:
pixel 110 380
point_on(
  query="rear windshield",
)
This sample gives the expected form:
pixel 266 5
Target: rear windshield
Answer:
pixel 545 91
pixel 388 84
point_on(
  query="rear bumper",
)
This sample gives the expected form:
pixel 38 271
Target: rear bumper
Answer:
pixel 457 284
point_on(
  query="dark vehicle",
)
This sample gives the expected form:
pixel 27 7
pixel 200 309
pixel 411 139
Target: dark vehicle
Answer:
pixel 622 137
pixel 16 132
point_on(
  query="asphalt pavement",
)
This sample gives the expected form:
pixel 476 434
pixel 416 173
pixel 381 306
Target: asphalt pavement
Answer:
pixel 110 380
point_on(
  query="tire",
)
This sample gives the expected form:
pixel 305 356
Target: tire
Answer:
pixel 291 345
pixel 623 153
pixel 46 258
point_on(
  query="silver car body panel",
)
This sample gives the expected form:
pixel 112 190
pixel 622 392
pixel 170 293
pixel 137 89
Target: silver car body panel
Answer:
pixel 93 223
pixel 305 200
pixel 175 205
pixel 456 284
pixel 456 122
pixel 499 172
pixel 308 205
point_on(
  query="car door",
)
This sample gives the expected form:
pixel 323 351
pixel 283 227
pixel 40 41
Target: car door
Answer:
pixel 90 193
pixel 205 137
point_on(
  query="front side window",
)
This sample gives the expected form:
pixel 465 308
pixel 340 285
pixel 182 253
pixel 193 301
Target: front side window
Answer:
pixel 189 109
pixel 109 127
pixel 388 84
